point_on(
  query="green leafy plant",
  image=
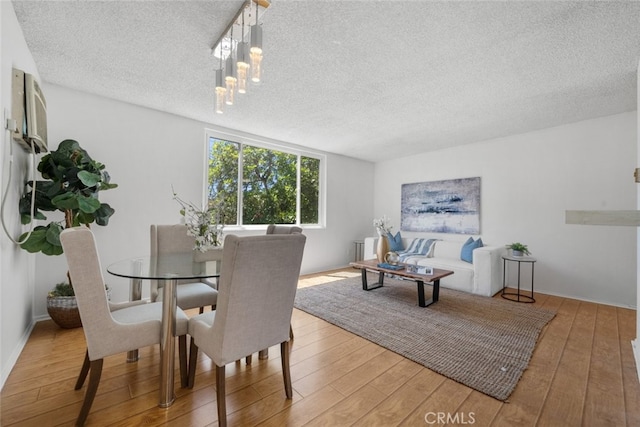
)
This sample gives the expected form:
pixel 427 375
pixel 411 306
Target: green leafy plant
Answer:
pixel 519 247
pixel 62 290
pixel 72 183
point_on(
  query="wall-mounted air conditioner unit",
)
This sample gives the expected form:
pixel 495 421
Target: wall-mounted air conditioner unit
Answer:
pixel 29 109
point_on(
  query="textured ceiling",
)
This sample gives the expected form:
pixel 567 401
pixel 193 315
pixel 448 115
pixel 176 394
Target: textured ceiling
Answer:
pixel 368 79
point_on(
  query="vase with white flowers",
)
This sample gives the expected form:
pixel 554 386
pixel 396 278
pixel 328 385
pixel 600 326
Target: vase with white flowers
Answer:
pixel 383 227
pixel 206 225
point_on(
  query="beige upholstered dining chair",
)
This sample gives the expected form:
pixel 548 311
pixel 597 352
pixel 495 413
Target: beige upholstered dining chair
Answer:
pixel 109 332
pixel 283 229
pixel 276 229
pixel 257 288
pixel 170 239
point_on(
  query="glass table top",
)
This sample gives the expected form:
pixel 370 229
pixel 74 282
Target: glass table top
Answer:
pixel 169 266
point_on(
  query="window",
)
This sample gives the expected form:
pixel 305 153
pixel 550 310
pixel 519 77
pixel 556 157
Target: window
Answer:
pixel 259 183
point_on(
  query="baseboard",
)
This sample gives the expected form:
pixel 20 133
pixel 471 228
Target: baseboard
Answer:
pixel 636 354
pixel 629 306
pixel 13 359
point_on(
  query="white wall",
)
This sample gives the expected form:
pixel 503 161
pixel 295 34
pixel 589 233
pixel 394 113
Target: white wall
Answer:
pixel 146 152
pixel 16 266
pixel 635 343
pixel 528 181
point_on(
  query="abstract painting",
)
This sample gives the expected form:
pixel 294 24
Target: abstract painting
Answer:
pixel 449 206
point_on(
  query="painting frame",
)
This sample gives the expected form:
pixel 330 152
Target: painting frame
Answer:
pixel 446 206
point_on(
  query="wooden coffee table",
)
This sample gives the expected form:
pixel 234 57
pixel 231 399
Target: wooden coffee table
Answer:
pixel 420 279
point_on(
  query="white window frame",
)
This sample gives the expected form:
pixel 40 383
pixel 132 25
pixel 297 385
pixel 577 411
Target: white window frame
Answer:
pixel 261 142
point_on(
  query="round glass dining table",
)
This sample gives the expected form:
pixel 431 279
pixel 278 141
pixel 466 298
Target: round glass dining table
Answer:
pixel 167 269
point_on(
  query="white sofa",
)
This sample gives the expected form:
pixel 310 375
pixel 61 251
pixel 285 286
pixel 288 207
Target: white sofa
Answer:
pixel 483 277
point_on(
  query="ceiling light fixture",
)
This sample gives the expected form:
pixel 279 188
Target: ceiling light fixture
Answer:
pixel 247 58
pixel 220 90
pixel 230 74
pixel 256 50
pixel 242 54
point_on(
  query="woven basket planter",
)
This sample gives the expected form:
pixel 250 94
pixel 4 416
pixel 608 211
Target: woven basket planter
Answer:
pixel 64 311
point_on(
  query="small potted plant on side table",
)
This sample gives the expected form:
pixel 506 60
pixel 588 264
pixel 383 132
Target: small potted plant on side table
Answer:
pixel 518 249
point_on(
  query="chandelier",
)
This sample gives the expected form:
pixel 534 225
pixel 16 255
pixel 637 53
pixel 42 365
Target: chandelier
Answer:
pixel 239 53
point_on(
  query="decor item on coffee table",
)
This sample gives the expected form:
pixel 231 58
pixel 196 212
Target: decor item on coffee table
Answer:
pixel 392 258
pixel 383 228
pixel 382 248
pixel 484 343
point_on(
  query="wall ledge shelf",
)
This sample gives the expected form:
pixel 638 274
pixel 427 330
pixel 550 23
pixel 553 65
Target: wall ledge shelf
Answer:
pixel 615 218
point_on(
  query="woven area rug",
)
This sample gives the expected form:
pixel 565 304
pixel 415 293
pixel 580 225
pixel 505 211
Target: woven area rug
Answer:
pixel 484 343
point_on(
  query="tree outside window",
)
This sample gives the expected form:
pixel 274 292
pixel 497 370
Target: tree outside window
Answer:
pixel 277 187
pixel 223 177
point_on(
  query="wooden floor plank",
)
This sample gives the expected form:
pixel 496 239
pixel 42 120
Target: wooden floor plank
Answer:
pixel 336 370
pixel 525 403
pixel 480 408
pixel 441 407
pixel 349 409
pixel 396 407
pixel 305 410
pixel 627 327
pixel 366 372
pixel 565 402
pixel 392 379
pixel 604 403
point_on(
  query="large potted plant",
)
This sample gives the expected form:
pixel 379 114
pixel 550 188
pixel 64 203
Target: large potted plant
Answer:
pixel 72 181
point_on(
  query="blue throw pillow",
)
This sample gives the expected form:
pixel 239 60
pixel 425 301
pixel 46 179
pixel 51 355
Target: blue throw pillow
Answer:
pixel 395 242
pixel 466 254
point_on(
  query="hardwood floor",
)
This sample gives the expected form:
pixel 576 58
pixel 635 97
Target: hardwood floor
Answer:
pixel 582 373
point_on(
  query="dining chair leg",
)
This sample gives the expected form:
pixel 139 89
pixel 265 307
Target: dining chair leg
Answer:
pixel 84 371
pixel 182 355
pixel 220 396
pixel 193 361
pixel 92 388
pixel 290 331
pixel 286 372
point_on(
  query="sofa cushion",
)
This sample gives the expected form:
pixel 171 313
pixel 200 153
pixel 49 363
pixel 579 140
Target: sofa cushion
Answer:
pixel 395 242
pixel 447 249
pixel 466 253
